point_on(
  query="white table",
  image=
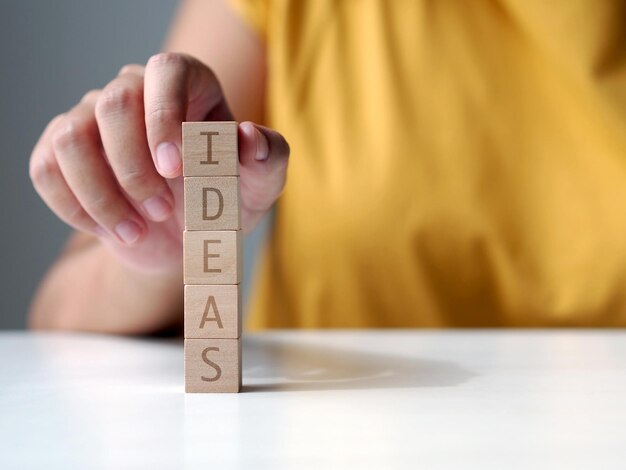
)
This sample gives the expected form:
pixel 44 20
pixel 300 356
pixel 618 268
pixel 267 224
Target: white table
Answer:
pixel 317 400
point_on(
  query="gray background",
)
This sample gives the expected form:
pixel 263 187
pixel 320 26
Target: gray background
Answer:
pixel 52 53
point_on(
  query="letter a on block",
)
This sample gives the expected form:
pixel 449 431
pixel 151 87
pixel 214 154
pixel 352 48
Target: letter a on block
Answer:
pixel 213 311
pixel 211 306
pixel 210 149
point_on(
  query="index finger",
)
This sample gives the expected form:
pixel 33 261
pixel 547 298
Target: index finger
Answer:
pixel 177 88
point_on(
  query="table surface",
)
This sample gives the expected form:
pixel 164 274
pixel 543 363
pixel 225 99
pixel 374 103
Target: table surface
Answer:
pixel 315 400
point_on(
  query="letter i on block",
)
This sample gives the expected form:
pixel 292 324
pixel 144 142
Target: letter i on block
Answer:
pixel 213 253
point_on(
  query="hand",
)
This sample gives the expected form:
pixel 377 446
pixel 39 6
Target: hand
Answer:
pixel 111 166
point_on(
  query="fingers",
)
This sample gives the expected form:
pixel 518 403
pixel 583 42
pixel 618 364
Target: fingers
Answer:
pixel 51 185
pixel 177 88
pixel 132 69
pixel 110 154
pixel 264 155
pixel 119 114
pixel 77 147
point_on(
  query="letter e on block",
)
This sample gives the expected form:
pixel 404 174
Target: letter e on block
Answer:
pixel 213 257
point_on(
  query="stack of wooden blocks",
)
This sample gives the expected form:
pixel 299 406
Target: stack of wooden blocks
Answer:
pixel 213 257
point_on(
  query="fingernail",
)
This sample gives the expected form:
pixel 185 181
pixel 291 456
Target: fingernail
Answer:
pixel 128 231
pixel 157 208
pixel 168 158
pixel 262 147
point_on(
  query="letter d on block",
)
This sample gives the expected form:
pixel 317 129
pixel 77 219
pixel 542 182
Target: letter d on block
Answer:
pixel 212 203
pixel 205 204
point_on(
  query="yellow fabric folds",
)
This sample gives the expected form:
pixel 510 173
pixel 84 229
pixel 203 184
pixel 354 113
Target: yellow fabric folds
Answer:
pixel 454 163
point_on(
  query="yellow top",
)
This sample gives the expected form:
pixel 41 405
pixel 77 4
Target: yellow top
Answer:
pixel 454 163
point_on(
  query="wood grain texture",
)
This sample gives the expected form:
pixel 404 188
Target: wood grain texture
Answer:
pixel 212 203
pixel 213 311
pixel 210 149
pixel 213 257
pixel 212 365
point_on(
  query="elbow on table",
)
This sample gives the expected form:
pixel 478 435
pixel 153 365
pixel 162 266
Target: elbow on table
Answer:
pixel 40 319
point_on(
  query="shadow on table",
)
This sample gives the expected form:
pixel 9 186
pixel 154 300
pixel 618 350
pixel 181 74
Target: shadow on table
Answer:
pixel 291 366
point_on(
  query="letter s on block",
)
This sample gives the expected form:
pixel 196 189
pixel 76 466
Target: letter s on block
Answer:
pixel 218 369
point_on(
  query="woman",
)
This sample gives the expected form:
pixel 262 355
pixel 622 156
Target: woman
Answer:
pixel 454 164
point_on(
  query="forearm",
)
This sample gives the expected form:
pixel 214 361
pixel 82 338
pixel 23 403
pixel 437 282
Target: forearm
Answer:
pixel 88 289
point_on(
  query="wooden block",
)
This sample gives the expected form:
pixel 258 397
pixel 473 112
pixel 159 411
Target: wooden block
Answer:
pixel 212 203
pixel 212 365
pixel 213 311
pixel 210 149
pixel 213 257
